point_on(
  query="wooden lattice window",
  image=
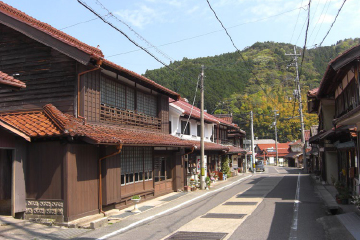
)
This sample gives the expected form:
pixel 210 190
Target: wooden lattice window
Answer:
pixel 130 98
pixel 136 164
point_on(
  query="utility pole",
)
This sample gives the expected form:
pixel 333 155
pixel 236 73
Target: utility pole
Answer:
pixel 252 142
pixel 300 107
pixel 202 151
pixel 276 142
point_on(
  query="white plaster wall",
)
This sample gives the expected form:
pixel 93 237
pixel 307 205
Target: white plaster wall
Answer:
pixel 328 110
pixel 331 165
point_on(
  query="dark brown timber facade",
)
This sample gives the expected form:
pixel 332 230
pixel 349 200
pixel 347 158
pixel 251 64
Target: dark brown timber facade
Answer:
pixel 78 133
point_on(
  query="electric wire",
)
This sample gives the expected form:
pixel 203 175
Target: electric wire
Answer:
pixel 205 34
pixel 332 23
pixel 132 30
pixel 323 18
pixel 132 41
pixel 318 18
pixel 192 107
pixel 238 51
pixel 304 48
pixel 296 23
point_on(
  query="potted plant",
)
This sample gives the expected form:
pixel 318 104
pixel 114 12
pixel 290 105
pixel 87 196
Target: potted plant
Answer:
pixel 356 200
pixel 208 182
pixel 136 199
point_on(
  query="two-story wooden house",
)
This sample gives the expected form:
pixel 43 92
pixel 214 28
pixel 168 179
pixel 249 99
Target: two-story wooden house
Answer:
pixel 78 133
pixel 337 105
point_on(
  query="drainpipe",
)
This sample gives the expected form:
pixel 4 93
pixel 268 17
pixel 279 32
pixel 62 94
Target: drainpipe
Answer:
pixel 191 151
pixel 119 147
pixel 98 64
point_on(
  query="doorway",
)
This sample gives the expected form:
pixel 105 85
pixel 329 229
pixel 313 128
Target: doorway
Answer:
pixel 5 181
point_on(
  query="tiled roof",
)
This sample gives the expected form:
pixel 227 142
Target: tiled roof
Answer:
pixel 210 146
pixel 55 33
pixel 313 92
pixel 50 122
pixel 142 78
pixel 46 28
pixel 297 142
pixel 195 113
pixel 272 145
pixel 233 149
pixel 9 80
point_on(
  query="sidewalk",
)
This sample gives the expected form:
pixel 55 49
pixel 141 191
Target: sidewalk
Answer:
pixel 11 228
pixel 345 224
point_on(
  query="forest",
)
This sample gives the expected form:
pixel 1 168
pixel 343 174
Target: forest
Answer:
pixel 260 78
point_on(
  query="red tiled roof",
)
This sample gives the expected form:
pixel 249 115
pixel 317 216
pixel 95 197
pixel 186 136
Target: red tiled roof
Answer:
pixel 272 145
pixel 142 78
pixel 233 149
pixel 210 146
pixel 9 80
pixel 297 142
pixel 46 28
pixel 55 33
pixel 195 113
pixel 51 122
pixel 313 92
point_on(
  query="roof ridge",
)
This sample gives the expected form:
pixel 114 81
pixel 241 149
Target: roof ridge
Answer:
pixel 48 29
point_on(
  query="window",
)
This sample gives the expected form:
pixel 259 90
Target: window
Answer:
pixel 120 96
pixel 183 130
pixel 198 130
pixel 162 169
pixel 136 164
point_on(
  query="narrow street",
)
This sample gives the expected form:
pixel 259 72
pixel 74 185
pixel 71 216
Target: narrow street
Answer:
pixel 259 207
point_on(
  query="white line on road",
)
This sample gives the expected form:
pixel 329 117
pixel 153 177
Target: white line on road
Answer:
pixel 168 210
pixel 294 225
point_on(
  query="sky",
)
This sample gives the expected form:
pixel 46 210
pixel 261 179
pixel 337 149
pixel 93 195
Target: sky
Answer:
pixel 175 29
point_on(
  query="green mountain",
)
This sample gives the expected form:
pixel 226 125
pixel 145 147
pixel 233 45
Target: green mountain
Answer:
pixel 231 88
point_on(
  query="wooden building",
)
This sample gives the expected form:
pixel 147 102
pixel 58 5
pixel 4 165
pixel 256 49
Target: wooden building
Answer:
pixel 337 104
pixel 78 133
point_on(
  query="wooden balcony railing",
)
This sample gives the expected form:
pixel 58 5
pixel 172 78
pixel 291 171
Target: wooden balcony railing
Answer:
pixel 125 117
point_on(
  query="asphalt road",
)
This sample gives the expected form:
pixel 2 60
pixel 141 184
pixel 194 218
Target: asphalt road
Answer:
pixel 288 209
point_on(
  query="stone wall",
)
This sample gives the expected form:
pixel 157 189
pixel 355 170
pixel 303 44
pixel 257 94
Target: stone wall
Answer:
pixel 45 209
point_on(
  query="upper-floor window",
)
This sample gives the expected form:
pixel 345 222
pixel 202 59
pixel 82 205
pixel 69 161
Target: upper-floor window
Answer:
pixel 123 97
pixel 346 97
pixel 185 128
pixel 198 130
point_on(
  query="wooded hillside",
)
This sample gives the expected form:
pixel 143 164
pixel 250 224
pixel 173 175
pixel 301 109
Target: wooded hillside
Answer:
pixel 231 88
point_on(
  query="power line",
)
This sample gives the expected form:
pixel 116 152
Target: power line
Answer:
pixel 333 22
pixel 318 19
pixel 205 34
pixel 306 33
pixel 132 41
pixel 322 21
pixel 238 51
pixel 131 29
pixel 296 23
pixel 117 29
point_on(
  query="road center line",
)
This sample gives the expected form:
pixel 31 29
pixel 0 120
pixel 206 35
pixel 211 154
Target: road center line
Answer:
pixel 169 210
pixel 294 225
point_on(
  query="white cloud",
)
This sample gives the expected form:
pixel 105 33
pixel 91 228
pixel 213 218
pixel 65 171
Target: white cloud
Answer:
pixel 139 17
pixel 192 10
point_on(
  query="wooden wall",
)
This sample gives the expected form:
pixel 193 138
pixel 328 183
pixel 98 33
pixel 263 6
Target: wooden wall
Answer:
pixel 111 178
pixel 7 140
pixel 163 109
pixel 50 76
pixel 81 181
pixel 90 95
pixel 44 171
